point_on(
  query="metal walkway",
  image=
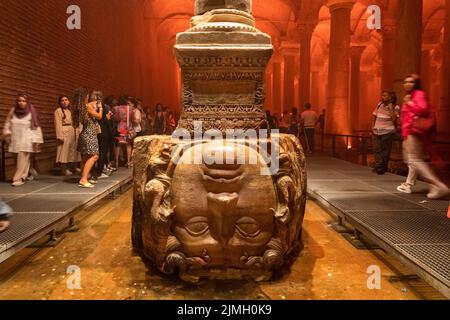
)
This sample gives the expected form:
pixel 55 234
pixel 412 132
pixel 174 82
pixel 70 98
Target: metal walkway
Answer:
pixel 410 227
pixel 41 205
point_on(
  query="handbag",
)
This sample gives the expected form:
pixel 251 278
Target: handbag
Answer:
pixel 423 126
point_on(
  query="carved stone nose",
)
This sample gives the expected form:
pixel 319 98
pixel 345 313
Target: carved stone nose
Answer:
pixel 219 205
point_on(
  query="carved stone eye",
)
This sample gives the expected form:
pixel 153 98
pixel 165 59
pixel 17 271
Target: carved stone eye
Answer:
pixel 248 227
pixel 197 226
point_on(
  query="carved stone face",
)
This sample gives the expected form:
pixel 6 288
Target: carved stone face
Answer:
pixel 224 214
pixel 202 6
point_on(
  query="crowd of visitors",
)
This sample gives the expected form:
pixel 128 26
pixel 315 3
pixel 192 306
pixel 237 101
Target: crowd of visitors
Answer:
pixel 93 134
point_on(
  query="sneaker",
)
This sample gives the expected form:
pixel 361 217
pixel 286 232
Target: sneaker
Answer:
pixel 93 181
pixel 67 172
pixel 438 193
pixel 18 183
pixel 405 188
pixel 33 172
pixel 103 176
pixel 78 171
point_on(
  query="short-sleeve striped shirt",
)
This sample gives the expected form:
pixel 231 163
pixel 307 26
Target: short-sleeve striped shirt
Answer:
pixel 383 123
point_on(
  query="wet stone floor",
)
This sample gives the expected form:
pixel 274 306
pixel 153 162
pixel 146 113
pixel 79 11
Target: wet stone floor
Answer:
pixel 329 267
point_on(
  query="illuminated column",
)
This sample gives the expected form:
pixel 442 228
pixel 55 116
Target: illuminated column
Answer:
pixel 408 42
pixel 306 31
pixel 277 87
pixel 315 89
pixel 356 54
pixel 425 70
pixel 337 120
pixel 289 55
pixel 388 54
pixel 446 70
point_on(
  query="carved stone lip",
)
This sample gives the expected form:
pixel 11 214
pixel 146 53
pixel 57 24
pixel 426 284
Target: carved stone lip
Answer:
pixel 222 174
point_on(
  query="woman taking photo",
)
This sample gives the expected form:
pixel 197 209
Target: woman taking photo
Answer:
pixel 23 133
pixel 66 135
pixel 87 112
pixel 416 139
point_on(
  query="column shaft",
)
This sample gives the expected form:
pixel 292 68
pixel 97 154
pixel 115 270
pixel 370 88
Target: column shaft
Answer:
pixel 338 75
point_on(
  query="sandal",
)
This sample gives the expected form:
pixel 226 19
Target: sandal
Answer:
pixel 93 181
pixel 86 185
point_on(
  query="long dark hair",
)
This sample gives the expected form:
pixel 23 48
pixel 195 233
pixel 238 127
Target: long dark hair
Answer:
pixel 79 109
pixel 417 81
pixel 394 98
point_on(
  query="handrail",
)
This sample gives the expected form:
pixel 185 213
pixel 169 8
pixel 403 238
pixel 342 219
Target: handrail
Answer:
pixel 3 161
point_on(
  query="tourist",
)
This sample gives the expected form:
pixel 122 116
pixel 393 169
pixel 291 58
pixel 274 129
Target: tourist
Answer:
pixel 136 117
pixel 294 124
pixel 284 122
pixel 86 112
pixel 321 120
pixel 275 118
pixel 417 123
pixel 145 127
pixel 172 123
pixel 23 133
pixel 270 120
pixel 383 127
pixel 104 141
pixel 112 126
pixel 123 117
pixel 5 212
pixel 159 121
pixel 66 137
pixel 309 119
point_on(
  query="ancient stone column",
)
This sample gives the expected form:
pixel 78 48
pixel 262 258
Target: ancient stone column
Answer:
pixel 446 69
pixel 306 31
pixel 356 54
pixel 289 55
pixel 277 88
pixel 315 90
pixel 425 69
pixel 408 42
pixel 337 120
pixel 388 54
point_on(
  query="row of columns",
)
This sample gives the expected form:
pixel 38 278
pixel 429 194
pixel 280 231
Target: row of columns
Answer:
pixel 401 55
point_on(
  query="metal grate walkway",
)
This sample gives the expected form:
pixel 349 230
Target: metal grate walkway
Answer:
pixel 410 227
pixel 39 206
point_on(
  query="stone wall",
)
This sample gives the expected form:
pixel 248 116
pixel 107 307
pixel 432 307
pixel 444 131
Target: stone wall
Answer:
pixel 40 56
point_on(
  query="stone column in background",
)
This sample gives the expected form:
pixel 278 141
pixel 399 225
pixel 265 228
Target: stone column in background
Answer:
pixel 306 31
pixel 289 55
pixel 277 88
pixel 408 42
pixel 446 71
pixel 356 54
pixel 388 54
pixel 337 120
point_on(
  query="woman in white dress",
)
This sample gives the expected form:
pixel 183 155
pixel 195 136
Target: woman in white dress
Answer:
pixel 23 133
pixel 66 135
